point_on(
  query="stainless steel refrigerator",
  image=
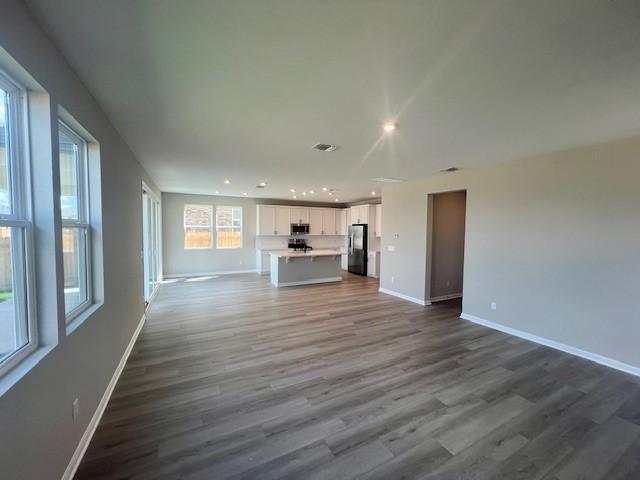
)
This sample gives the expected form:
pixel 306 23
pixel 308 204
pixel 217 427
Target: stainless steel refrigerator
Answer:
pixel 358 249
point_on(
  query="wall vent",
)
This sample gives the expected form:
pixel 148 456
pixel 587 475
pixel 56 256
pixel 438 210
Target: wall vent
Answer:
pixel 324 147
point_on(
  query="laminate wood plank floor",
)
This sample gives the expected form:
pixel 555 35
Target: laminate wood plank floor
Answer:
pixel 234 379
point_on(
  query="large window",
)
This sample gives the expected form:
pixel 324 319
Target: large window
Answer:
pixel 76 230
pixel 229 227
pixel 197 226
pixel 18 335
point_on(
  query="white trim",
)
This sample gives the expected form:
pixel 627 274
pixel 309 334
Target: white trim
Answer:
pixel 202 274
pixel 441 298
pixel 594 357
pixel 404 297
pixel 97 416
pixel 309 282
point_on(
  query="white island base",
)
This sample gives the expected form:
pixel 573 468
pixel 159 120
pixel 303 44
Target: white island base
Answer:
pixel 297 268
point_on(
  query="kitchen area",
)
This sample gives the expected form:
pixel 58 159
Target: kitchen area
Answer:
pixel 301 245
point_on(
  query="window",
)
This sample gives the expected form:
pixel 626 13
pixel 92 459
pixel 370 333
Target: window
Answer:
pixel 197 226
pixel 18 335
pixel 229 227
pixel 76 230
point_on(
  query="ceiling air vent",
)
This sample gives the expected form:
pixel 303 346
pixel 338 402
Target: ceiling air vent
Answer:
pixel 450 169
pixel 324 147
pixel 387 180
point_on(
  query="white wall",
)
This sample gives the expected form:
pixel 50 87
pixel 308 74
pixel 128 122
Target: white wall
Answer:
pixel 553 240
pixel 37 431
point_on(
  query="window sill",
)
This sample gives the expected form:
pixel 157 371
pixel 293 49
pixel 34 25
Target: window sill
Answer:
pixel 81 317
pixel 18 372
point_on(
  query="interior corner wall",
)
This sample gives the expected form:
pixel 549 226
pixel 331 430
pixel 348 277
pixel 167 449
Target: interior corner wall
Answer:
pixel 38 434
pixel 447 244
pixel 553 240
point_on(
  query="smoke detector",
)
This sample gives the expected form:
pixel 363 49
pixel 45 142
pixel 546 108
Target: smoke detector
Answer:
pixel 324 147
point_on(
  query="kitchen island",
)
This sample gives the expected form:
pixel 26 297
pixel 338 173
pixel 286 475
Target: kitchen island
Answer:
pixel 299 268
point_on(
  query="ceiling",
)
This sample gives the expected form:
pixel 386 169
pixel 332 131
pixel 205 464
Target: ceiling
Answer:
pixel 241 89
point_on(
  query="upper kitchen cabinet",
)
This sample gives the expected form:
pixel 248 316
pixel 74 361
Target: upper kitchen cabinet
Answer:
pixel 273 220
pixel 299 215
pixel 359 214
pixel 378 228
pixel 329 221
pixel 283 220
pixel 315 221
pixel 341 221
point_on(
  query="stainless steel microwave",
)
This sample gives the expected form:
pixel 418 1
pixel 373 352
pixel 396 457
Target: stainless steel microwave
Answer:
pixel 299 229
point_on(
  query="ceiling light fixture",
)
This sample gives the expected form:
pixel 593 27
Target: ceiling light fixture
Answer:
pixel 324 189
pixel 295 196
pixel 227 181
pixel 304 193
pixel 389 126
pixel 311 192
pixel 293 190
pixel 373 193
pixel 244 193
pixel 337 200
pixel 263 184
pixel 330 193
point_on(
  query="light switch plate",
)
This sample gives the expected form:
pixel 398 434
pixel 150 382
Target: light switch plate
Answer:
pixel 391 248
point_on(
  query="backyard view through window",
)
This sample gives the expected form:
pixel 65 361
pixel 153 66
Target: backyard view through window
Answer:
pixel 75 221
pixel 197 226
pixel 229 227
pixel 14 322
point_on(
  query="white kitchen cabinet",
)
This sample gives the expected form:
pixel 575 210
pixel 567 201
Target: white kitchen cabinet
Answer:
pixel 329 221
pixel 283 221
pixel 341 221
pixel 299 215
pixel 359 214
pixel 315 221
pixel 266 220
pixel 378 229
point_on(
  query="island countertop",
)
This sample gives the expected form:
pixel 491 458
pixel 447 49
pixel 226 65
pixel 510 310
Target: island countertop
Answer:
pixel 310 253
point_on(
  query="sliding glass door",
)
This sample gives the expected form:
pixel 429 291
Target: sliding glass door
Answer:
pixel 150 242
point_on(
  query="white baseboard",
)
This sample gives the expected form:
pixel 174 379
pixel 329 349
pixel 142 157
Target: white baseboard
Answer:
pixel 404 297
pixel 73 465
pixel 594 357
pixel 206 274
pixel 310 282
pixel 442 298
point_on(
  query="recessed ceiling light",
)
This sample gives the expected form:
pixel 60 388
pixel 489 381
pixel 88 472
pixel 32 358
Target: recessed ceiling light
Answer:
pixel 244 193
pixel 304 193
pixel 295 196
pixel 217 192
pixel 311 192
pixel 227 181
pixel 389 127
pixel 324 189
pixel 373 193
pixel 293 190
pixel 263 184
pixel 337 200
pixel 330 193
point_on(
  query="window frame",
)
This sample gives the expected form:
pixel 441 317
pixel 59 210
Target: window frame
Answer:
pixel 83 222
pixel 18 164
pixel 224 227
pixel 185 226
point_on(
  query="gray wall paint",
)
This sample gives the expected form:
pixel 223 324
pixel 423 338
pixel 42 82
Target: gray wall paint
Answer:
pixel 177 260
pixel 38 434
pixel 447 243
pixel 554 240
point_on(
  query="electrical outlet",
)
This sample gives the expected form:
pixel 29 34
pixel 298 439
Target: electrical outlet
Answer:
pixel 391 248
pixel 75 409
pixel 494 306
